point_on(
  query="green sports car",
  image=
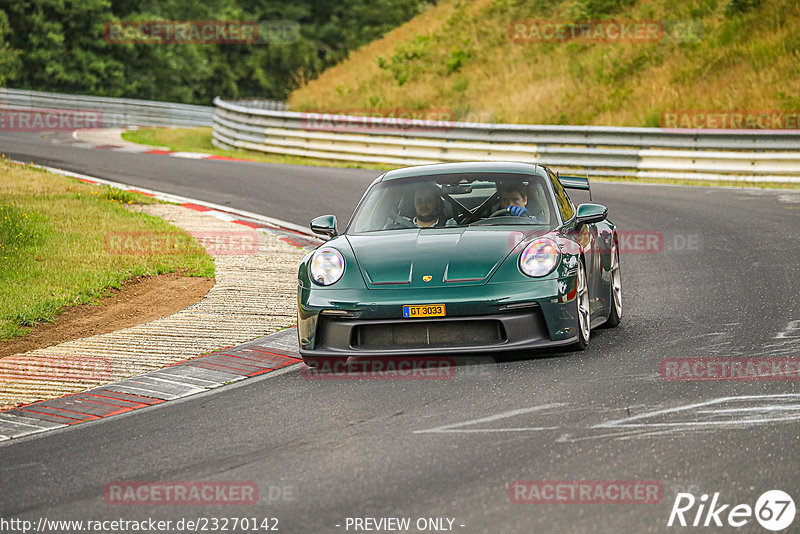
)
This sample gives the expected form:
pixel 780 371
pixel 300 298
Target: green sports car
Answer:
pixel 467 257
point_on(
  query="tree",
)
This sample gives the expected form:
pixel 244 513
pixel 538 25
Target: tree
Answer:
pixel 59 45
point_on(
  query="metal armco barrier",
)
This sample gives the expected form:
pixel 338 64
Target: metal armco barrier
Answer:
pixel 746 155
pixel 112 112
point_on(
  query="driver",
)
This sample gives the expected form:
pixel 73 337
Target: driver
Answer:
pixel 514 198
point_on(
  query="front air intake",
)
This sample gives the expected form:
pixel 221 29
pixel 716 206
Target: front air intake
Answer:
pixel 422 334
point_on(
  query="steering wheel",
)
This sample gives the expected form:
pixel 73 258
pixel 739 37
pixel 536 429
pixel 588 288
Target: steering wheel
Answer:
pixel 501 213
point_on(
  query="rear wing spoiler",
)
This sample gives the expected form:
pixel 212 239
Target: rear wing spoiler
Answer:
pixel 575 182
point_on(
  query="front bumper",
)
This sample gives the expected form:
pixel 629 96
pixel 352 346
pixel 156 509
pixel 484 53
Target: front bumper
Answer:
pixel 489 318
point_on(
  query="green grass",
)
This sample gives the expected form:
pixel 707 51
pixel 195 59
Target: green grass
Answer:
pixel 199 140
pixel 54 245
pixel 718 55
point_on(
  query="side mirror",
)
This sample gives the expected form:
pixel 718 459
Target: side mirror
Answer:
pixel 324 225
pixel 590 213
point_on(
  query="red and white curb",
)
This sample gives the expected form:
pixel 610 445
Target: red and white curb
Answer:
pixel 264 355
pixel 179 154
pixel 289 232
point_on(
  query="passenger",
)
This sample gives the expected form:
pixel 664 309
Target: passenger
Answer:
pixel 429 207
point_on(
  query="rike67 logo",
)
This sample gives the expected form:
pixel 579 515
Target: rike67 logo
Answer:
pixel 774 510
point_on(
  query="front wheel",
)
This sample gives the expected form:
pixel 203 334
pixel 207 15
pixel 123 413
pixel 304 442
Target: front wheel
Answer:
pixel 582 308
pixel 615 315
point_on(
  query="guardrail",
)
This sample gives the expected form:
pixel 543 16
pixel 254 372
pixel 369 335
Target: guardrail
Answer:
pixel 746 155
pixel 110 112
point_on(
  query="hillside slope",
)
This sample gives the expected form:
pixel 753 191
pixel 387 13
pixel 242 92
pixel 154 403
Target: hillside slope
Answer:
pixel 725 55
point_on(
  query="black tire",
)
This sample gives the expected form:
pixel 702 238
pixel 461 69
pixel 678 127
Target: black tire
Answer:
pixel 582 313
pixel 615 314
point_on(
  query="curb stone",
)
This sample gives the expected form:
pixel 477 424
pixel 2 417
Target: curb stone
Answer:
pixel 253 296
pixel 262 355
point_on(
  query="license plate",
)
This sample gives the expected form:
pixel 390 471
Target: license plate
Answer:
pixel 423 310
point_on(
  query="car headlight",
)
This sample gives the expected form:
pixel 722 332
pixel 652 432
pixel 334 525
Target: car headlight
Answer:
pixel 327 266
pixel 539 258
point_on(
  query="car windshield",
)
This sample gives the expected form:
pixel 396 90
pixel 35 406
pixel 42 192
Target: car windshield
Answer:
pixel 455 201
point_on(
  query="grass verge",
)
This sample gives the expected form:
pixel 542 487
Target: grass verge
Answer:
pixel 55 249
pixel 483 61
